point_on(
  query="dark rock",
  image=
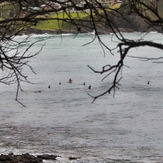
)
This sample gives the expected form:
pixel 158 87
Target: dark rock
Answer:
pixel 48 157
pixel 24 158
pixel 73 158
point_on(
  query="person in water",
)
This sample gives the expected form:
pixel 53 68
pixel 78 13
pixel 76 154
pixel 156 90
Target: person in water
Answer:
pixel 70 81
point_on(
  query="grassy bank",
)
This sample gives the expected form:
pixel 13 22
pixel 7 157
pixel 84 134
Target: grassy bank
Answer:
pixel 61 21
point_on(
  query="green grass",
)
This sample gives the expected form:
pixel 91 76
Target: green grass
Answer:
pixel 60 21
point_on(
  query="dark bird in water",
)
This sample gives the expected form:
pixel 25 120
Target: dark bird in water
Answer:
pixel 70 81
pixel 84 83
pixel 37 91
pixel 49 86
pixel 148 82
pixel 89 87
pixel 59 83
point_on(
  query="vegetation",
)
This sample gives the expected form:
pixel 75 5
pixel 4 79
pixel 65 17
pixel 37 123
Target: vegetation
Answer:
pixel 59 21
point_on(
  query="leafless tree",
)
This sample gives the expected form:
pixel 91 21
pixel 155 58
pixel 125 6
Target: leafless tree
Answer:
pixel 149 13
pixel 98 18
pixel 13 58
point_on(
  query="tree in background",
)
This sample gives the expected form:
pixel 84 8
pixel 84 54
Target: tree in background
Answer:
pixel 77 16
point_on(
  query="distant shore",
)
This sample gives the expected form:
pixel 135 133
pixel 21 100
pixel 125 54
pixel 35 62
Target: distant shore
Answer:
pixel 73 31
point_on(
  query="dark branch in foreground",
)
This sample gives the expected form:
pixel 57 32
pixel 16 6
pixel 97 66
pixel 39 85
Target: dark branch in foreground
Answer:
pixel 89 16
pixel 116 69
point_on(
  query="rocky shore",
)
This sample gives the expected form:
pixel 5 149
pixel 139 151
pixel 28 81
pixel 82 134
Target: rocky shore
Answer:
pixel 28 158
pixel 25 158
pixel 123 27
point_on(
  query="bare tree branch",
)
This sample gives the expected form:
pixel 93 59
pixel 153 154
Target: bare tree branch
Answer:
pixel 97 18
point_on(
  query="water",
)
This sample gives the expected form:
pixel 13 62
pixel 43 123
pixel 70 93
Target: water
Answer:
pixel 62 120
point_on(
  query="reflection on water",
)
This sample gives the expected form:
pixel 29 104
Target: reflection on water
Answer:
pixel 61 120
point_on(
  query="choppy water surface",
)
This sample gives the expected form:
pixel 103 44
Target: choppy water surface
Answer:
pixel 62 120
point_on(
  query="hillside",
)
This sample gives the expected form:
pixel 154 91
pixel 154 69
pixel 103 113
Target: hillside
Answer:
pixel 57 23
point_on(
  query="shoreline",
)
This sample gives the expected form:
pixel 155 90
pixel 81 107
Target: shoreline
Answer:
pixel 42 158
pixel 59 32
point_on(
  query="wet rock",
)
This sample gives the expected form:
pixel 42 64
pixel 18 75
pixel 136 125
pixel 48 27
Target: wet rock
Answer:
pixel 73 158
pixel 48 157
pixel 24 158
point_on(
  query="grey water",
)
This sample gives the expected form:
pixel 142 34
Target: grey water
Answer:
pixel 63 120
